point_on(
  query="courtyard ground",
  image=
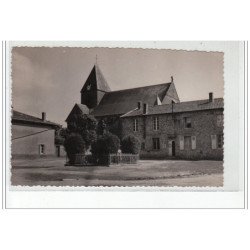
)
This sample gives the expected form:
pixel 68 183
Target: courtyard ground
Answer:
pixel 163 173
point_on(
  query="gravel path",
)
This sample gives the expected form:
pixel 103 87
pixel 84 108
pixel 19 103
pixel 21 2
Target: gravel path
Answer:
pixel 145 173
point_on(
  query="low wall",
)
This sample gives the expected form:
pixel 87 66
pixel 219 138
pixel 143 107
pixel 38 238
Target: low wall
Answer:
pixel 122 159
pixel 112 159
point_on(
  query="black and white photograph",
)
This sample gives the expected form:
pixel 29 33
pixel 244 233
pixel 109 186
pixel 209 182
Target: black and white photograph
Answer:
pixel 124 125
pixel 119 117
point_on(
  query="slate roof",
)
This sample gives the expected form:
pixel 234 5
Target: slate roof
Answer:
pixel 18 117
pixel 181 107
pixel 122 101
pixel 83 108
pixel 78 106
pixel 97 76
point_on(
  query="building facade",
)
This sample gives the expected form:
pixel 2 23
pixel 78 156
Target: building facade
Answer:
pixel 166 127
pixel 33 137
pixel 180 131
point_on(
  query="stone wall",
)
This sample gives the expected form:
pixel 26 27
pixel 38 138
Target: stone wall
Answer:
pixel 172 128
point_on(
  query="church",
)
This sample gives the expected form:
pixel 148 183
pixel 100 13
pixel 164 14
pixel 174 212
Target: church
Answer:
pixel 165 126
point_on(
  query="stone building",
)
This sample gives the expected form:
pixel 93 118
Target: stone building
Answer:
pixel 33 137
pixel 166 127
pixel 192 130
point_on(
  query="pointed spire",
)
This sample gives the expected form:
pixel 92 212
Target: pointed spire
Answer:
pixel 96 80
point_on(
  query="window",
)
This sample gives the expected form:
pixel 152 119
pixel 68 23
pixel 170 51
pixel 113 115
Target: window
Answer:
pixel 213 141
pixel 193 142
pixel 187 122
pixel 181 142
pixel 156 123
pixel 220 141
pixel 143 146
pixel 177 123
pixel 156 143
pixel 135 125
pixel 187 142
pixel 219 120
pixel 41 149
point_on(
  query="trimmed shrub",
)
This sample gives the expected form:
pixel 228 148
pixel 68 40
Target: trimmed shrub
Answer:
pixel 74 144
pixel 85 125
pixel 104 145
pixel 130 145
pixel 101 127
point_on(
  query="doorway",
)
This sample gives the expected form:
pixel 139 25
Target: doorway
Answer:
pixel 58 151
pixel 171 148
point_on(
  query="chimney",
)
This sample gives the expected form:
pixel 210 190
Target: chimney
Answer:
pixel 43 116
pixel 139 105
pixel 211 97
pixel 145 108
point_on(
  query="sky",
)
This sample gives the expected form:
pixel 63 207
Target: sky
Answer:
pixel 46 79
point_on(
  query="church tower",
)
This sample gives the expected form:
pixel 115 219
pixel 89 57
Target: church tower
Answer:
pixel 94 88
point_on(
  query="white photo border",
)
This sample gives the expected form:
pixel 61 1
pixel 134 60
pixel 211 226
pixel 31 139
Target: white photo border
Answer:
pixel 232 195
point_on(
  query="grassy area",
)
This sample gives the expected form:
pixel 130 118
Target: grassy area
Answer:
pixel 145 173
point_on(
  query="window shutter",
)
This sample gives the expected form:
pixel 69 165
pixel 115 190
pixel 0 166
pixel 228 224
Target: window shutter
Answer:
pixel 181 142
pixel 193 141
pixel 213 139
pixel 219 120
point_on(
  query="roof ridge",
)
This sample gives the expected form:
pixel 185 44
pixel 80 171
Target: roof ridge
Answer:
pixel 140 87
pixel 27 115
pixel 179 103
pixel 183 107
pixel 34 117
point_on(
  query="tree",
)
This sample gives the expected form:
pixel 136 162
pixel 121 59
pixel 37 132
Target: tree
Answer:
pixel 101 127
pixel 60 136
pixel 113 125
pixel 86 126
pixel 105 145
pixel 74 144
pixel 64 133
pixel 130 145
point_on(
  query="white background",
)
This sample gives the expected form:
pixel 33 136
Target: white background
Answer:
pixel 233 53
pixel 124 229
